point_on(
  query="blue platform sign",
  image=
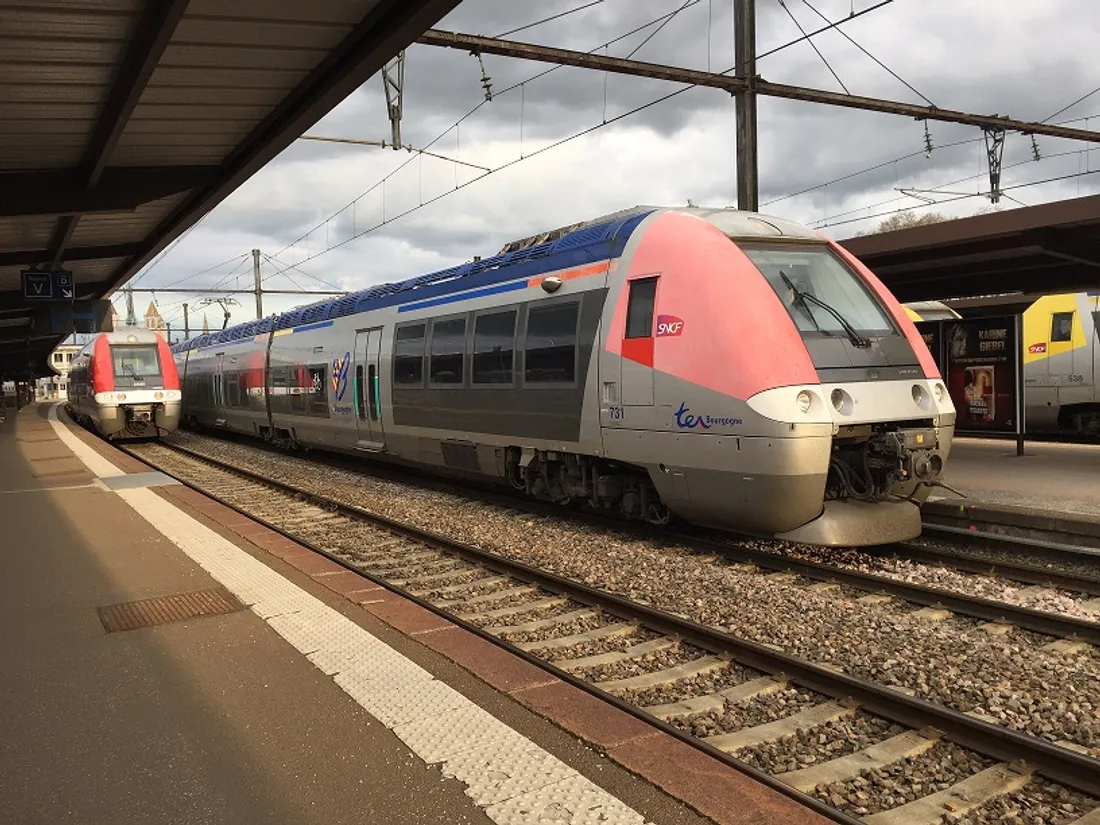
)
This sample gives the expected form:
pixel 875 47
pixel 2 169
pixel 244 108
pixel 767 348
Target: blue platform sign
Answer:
pixel 55 285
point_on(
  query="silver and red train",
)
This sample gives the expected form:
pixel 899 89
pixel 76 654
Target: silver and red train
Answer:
pixel 731 369
pixel 125 384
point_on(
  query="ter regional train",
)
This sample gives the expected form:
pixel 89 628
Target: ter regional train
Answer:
pixel 125 385
pixel 731 369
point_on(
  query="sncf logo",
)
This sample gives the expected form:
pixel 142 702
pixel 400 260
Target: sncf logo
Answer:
pixel 669 325
pixel 1037 348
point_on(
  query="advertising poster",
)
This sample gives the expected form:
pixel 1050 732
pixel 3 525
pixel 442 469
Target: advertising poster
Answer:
pixel 981 355
pixel 932 333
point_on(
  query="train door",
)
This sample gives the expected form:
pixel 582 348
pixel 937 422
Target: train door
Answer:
pixel 219 380
pixel 637 346
pixel 367 388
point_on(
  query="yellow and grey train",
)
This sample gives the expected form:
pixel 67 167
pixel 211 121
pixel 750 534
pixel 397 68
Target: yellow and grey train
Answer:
pixel 1061 360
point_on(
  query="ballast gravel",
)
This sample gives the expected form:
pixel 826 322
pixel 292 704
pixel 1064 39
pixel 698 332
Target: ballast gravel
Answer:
pixel 1047 694
pixel 704 684
pixel 891 786
pixel 821 744
pixel 911 572
pixel 757 711
pixel 1037 803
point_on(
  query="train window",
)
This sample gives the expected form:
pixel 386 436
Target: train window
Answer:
pixel 813 269
pixel 317 393
pixel 408 356
pixel 551 347
pixel 232 389
pixel 135 361
pixel 372 391
pixel 494 347
pixel 448 351
pixel 242 382
pixel 360 393
pixel 639 309
pixel 1061 326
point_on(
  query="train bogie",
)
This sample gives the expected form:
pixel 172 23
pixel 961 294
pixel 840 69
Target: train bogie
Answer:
pixel 653 362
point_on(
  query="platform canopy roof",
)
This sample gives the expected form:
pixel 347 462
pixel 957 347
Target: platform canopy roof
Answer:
pixel 123 122
pixel 1054 247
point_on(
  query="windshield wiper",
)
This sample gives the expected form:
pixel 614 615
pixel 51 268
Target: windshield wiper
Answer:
pixel 853 334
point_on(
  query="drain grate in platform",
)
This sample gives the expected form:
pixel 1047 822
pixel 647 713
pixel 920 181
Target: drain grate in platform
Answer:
pixel 167 609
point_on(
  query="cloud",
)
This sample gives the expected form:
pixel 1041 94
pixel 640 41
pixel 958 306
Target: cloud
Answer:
pixel 319 196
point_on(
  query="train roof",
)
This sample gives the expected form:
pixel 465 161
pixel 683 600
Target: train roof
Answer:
pixel 574 245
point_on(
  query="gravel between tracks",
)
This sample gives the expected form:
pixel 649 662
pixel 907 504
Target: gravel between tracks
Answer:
pixel 1025 688
pixel 911 572
pixel 757 711
pixel 880 789
pixel 1037 803
pixel 821 744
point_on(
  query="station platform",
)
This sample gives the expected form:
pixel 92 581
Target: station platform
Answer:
pixel 167 660
pixel 1050 477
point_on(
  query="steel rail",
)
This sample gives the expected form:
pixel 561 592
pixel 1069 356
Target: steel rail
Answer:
pixel 1057 763
pixel 445 544
pixel 1026 573
pixel 990 610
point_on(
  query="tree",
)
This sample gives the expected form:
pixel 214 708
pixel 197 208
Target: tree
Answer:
pixel 904 220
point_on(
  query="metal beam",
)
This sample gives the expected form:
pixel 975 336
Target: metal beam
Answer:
pixel 121 189
pixel 726 82
pixel 389 27
pixel 148 41
pixel 31 257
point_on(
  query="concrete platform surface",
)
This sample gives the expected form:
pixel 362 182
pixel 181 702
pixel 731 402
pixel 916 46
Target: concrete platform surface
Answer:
pixel 1049 476
pixel 316 697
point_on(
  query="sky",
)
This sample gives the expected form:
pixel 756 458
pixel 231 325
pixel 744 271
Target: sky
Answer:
pixel 340 216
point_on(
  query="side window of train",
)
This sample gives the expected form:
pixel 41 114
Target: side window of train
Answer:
pixel 232 390
pixel 448 352
pixel 408 356
pixel 639 308
pixel 318 390
pixel 550 348
pixel 494 347
pixel 1061 326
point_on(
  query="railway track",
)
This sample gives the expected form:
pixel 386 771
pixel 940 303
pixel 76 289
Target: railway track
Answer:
pixel 999 614
pixel 852 749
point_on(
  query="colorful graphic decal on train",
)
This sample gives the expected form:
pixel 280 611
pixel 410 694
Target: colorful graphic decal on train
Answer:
pixel 340 375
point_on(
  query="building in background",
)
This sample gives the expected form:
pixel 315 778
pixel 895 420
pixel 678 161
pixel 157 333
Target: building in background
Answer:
pixel 56 387
pixel 153 319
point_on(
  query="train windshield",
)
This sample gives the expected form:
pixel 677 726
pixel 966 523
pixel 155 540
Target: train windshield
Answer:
pixel 135 362
pixel 820 291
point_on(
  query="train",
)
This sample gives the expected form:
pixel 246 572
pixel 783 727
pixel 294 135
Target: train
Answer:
pixel 722 368
pixel 124 385
pixel 1061 356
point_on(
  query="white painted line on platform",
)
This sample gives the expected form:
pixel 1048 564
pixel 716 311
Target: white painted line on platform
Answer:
pixel 507 775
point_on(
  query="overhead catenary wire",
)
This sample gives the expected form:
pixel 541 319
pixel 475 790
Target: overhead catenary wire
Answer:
pixel 589 130
pixel 552 17
pixel 1011 188
pixel 879 62
pixel 898 159
pixel 1070 106
pixel 813 45
pixel 457 124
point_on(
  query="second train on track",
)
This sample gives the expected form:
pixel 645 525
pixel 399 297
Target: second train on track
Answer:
pixel 730 369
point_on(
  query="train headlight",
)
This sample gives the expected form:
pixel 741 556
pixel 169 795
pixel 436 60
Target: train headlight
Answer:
pixel 804 399
pixel 921 397
pixel 158 395
pixel 120 396
pixel 938 391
